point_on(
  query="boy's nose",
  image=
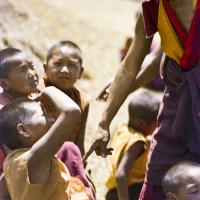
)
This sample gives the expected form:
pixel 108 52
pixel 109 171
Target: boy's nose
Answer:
pixel 32 74
pixel 64 69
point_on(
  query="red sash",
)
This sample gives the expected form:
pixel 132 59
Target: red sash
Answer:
pixel 190 41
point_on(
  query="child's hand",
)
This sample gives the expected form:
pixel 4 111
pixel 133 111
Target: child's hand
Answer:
pixel 36 97
pixel 103 96
pixel 46 103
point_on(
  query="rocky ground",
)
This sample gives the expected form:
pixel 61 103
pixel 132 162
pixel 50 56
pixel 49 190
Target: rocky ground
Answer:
pixel 99 27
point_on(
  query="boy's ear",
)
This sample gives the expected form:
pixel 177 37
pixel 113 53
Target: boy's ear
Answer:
pixel 22 130
pixel 4 83
pixel 81 72
pixel 171 196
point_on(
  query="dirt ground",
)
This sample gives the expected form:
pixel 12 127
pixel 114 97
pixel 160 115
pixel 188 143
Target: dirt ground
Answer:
pixel 98 27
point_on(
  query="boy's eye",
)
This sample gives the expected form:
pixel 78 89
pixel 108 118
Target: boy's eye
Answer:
pixel 58 63
pixel 23 68
pixel 192 189
pixel 31 66
pixel 72 64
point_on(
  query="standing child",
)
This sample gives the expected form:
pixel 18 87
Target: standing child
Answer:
pixel 63 68
pixel 31 169
pixel 128 161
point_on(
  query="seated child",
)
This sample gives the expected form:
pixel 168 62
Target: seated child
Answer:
pixel 17 70
pixel 18 78
pixel 31 170
pixel 128 161
pixel 63 68
pixel 182 181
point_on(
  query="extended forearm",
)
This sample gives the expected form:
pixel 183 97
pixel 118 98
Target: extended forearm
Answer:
pixel 149 70
pixel 120 88
pixel 67 122
pixel 127 73
pixel 58 99
pixel 122 187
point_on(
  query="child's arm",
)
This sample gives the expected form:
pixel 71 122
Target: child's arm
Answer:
pixel 42 152
pixel 124 167
pixel 4 194
pixel 81 135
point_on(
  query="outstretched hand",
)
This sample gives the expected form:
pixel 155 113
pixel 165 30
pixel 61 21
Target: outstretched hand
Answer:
pixel 99 144
pixel 103 95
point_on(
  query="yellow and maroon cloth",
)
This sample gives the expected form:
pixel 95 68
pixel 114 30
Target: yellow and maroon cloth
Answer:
pixel 179 44
pixel 59 186
pixel 124 137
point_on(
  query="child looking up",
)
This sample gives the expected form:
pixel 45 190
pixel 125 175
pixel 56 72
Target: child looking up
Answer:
pixel 18 78
pixel 31 169
pixel 128 161
pixel 63 68
pixel 182 181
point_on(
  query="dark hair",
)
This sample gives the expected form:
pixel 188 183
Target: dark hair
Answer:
pixel 173 178
pixel 61 44
pixel 10 116
pixel 6 56
pixel 144 106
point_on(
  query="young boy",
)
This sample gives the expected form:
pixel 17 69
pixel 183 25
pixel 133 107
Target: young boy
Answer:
pixel 182 181
pixel 128 161
pixel 18 78
pixel 63 68
pixel 31 169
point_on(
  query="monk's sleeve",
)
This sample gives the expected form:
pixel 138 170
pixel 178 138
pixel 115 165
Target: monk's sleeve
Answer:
pixel 150 13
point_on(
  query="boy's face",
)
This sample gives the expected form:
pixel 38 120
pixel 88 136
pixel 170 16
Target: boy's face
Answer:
pixel 147 128
pixel 38 124
pixel 22 77
pixel 64 68
pixel 152 126
pixel 190 189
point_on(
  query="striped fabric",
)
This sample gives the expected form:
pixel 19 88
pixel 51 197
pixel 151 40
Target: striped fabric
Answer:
pixel 177 43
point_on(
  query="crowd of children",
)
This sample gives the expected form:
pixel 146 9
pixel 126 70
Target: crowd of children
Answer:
pixel 17 70
pixel 42 134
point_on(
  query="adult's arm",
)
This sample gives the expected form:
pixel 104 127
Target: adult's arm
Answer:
pixel 149 70
pixel 121 87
